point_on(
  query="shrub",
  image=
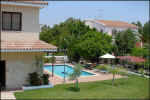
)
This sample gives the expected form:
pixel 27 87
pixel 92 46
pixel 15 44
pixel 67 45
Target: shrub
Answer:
pixel 147 64
pixel 123 71
pixel 45 79
pixel 34 79
pixel 140 52
pixel 141 71
pixel 102 67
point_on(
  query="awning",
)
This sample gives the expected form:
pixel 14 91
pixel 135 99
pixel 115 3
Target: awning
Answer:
pixel 108 56
pixel 132 59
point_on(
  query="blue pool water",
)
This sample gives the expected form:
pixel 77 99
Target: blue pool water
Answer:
pixel 59 70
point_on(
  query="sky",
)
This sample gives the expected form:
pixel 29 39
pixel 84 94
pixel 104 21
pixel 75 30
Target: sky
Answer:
pixel 128 11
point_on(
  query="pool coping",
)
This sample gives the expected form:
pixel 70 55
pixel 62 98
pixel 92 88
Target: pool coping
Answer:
pixel 95 74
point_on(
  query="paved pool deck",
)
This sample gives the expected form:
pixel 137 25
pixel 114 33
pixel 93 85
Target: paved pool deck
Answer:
pixel 7 95
pixel 97 77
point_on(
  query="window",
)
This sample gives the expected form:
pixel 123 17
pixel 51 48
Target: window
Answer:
pixel 11 21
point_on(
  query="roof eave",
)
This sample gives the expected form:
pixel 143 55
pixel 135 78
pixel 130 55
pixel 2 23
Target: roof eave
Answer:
pixel 24 50
pixel 23 4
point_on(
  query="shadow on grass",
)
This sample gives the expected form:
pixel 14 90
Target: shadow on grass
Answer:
pixel 73 89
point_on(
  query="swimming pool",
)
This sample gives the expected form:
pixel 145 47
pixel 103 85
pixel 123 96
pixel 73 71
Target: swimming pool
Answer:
pixel 59 70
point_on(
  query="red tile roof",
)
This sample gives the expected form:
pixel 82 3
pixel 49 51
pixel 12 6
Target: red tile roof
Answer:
pixel 122 24
pixel 132 58
pixel 26 45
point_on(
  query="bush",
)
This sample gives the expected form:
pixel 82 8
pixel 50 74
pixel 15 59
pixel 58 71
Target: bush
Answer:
pixel 123 71
pixel 34 79
pixel 140 52
pixel 45 79
pixel 147 64
pixel 141 71
pixel 102 67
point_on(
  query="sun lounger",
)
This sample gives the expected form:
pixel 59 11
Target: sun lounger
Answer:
pixel 104 71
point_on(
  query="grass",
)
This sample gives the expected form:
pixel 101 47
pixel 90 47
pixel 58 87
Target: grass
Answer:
pixel 134 87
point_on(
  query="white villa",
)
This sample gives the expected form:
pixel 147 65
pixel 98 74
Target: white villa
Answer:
pixel 20 42
pixel 109 26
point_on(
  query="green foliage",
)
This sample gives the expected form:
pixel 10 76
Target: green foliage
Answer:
pixel 94 44
pixel 146 32
pixel 34 79
pixel 102 67
pixel 141 71
pixel 114 71
pixel 140 27
pixel 140 52
pixel 71 27
pixel 78 39
pixel 123 71
pixel 76 74
pixel 59 54
pixel 124 42
pixel 45 79
pixel 134 88
pixel 147 64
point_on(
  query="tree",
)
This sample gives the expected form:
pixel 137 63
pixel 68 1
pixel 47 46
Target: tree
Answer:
pixel 124 42
pixel 77 69
pixel 114 71
pixel 146 32
pixel 94 44
pixel 140 27
pixel 140 52
pixel 53 61
pixel 143 30
pixel 71 35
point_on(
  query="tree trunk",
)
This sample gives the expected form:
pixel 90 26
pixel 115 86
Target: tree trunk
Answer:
pixel 113 79
pixel 76 83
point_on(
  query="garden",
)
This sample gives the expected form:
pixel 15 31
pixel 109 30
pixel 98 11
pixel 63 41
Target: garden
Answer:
pixel 133 87
pixel 83 46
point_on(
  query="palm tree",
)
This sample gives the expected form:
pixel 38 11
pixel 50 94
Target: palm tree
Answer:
pixel 76 74
pixel 53 61
pixel 114 71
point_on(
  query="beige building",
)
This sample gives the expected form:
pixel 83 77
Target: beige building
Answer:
pixel 20 44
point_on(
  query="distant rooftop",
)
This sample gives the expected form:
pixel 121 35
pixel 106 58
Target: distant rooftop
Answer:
pixel 111 23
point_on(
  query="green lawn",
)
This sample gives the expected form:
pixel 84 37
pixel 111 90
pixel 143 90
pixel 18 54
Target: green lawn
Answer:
pixel 133 87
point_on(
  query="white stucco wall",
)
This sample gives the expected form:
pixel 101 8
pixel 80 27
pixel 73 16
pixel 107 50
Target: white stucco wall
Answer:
pixel 18 66
pixel 30 22
pixel 93 24
pixel 99 27
pixel 30 17
pixel 10 36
